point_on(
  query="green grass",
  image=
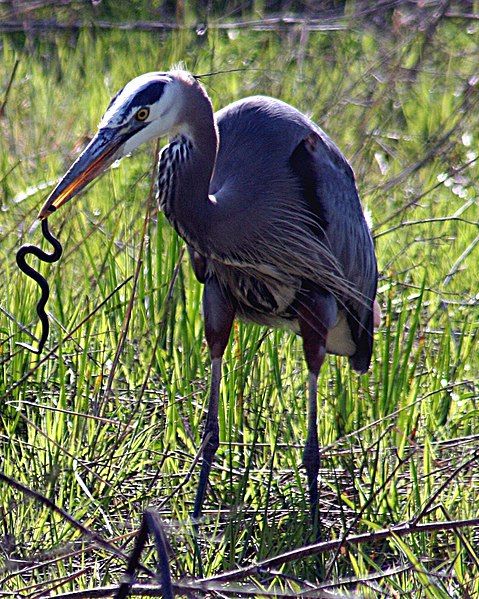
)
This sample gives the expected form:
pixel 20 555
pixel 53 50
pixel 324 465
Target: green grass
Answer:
pixel 405 112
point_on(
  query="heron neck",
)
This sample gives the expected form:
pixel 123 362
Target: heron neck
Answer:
pixel 186 167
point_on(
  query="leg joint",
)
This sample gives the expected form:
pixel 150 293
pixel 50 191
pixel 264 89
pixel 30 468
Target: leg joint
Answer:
pixel 211 440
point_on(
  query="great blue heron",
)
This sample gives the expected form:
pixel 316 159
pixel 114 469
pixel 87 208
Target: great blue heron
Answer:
pixel 269 209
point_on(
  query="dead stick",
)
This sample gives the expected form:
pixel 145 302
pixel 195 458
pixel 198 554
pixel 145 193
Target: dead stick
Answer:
pixel 70 519
pixel 9 87
pixel 150 525
pixel 400 530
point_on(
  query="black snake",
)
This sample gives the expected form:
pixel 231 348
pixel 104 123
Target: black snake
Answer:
pixel 40 279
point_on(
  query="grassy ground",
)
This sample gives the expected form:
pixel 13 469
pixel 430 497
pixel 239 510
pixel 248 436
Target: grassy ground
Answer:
pixel 104 438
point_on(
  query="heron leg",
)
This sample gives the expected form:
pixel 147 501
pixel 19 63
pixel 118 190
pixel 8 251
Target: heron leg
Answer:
pixel 316 314
pixel 219 315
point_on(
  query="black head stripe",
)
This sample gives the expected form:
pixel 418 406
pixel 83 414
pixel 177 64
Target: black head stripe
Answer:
pixel 143 91
pixel 148 94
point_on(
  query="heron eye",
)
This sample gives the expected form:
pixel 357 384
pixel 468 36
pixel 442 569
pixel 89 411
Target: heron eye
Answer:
pixel 142 114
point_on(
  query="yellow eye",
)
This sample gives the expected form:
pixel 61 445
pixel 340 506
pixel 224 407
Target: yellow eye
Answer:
pixel 142 114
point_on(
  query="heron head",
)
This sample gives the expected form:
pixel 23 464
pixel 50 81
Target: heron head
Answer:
pixel 147 107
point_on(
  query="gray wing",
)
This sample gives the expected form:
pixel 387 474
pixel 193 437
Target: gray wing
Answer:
pixel 329 188
pixel 287 207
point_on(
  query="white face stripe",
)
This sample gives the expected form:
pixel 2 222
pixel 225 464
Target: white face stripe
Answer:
pixel 163 119
pixel 162 94
pixel 145 90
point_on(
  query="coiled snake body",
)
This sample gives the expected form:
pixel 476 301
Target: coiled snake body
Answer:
pixel 39 279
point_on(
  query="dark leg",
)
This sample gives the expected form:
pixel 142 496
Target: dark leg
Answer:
pixel 316 314
pixel 219 315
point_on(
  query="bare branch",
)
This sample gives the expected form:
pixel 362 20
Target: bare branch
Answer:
pixel 48 503
pixel 400 530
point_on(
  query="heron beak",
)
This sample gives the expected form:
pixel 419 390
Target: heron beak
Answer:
pixel 95 159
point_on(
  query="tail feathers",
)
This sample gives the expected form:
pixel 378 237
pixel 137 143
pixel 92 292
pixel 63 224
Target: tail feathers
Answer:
pixel 363 337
